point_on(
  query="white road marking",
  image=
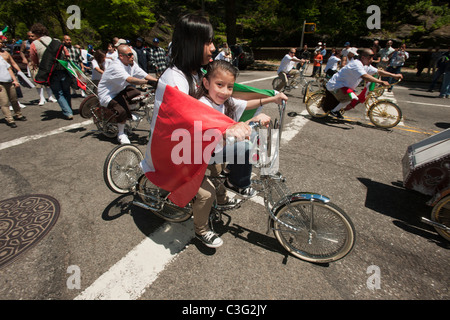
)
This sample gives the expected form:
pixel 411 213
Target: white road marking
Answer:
pixel 21 140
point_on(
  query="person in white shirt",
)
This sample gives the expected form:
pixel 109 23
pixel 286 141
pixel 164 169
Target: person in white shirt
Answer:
pixel 116 87
pixel 343 84
pixel 332 65
pixel 287 68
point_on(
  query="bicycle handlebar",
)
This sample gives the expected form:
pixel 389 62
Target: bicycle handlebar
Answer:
pixel 252 125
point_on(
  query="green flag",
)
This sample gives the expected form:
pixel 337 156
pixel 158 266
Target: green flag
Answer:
pixel 248 114
pixel 74 71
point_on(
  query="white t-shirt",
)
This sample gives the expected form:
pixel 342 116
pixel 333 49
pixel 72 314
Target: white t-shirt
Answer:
pixel 112 56
pixel 332 63
pixel 350 75
pixel 240 106
pixel 286 64
pixel 222 56
pixel 95 74
pixel 114 79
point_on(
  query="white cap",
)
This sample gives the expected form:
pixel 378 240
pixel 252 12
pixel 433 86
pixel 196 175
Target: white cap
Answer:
pixel 353 50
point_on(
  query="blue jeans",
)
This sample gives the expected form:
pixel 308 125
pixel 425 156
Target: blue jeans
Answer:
pixel 445 88
pixel 238 159
pixel 60 85
pixel 436 77
pixel 394 70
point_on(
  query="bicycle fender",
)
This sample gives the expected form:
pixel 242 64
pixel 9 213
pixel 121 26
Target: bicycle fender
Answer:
pixel 309 196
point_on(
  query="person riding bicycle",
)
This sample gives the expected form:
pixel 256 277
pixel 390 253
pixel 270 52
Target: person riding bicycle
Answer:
pixel 287 68
pixel 341 87
pixel 116 87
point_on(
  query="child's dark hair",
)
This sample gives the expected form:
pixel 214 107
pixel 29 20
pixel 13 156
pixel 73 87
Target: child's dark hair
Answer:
pixel 214 66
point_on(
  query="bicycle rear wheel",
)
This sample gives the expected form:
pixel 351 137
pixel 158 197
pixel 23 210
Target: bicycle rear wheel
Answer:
pixel 276 83
pixel 313 105
pixel 121 169
pixel 87 106
pixel 314 231
pixel 441 214
pixel 155 198
pixel 385 114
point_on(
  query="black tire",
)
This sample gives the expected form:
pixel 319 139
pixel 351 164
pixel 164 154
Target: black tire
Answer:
pixel 327 237
pixel 121 170
pixel 313 105
pixel 87 106
pixel 441 214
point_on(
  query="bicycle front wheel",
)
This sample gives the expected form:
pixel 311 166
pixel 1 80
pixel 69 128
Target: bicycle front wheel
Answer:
pixel 121 169
pixel 314 231
pixel 314 105
pixel 155 198
pixel 441 214
pixel 385 114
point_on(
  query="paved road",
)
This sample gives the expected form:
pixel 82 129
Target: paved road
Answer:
pixel 100 248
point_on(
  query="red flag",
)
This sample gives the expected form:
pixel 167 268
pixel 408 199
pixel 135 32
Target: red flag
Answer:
pixel 184 134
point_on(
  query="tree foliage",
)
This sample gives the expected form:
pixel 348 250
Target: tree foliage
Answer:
pixel 260 22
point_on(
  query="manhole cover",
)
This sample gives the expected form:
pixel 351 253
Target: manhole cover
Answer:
pixel 24 221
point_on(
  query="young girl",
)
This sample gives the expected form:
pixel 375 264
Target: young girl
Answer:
pixel 215 91
pixel 217 88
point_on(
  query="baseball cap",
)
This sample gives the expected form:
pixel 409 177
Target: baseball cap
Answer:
pixel 353 50
pixel 120 41
pixel 347 44
pixel 156 40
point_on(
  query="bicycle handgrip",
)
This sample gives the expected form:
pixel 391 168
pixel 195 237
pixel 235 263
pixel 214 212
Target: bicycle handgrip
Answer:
pixel 251 124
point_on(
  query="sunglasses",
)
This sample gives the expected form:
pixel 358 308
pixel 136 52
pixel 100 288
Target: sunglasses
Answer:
pixel 128 54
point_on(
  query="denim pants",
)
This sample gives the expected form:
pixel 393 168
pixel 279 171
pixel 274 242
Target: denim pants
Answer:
pixel 445 88
pixel 238 158
pixel 60 85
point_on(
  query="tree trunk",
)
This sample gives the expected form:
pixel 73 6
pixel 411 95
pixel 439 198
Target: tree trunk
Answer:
pixel 230 20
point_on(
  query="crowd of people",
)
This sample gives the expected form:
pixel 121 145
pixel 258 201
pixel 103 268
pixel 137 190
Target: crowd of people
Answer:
pixel 388 59
pixel 92 62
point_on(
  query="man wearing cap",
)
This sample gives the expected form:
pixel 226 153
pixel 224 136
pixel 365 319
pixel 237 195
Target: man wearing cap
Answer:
pixel 143 54
pixel 158 58
pixel 344 53
pixel 115 89
pixel 343 84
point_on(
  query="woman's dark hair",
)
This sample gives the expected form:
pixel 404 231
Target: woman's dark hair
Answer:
pixel 100 56
pixel 190 35
pixel 211 69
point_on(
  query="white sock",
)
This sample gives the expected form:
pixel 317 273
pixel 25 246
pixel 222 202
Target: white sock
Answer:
pixel 49 93
pixel 41 93
pixel 340 106
pixel 121 128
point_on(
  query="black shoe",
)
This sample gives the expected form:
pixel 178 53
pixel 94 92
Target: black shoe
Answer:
pixel 247 192
pixel 22 118
pixel 210 239
pixel 12 124
pixel 337 114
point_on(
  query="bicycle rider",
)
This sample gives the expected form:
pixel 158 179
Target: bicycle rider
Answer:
pixel 287 68
pixel 341 87
pixel 116 87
